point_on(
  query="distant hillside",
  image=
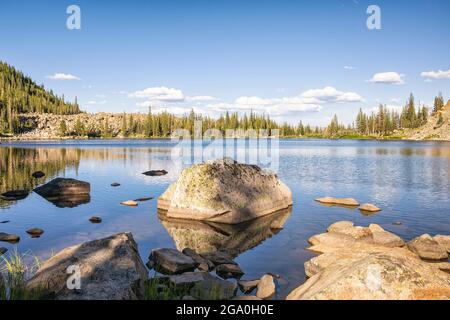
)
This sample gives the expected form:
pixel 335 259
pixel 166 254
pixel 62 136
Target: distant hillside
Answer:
pixel 20 94
pixel 436 128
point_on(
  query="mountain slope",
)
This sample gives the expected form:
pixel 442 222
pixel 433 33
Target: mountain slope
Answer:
pixel 436 128
pixel 20 94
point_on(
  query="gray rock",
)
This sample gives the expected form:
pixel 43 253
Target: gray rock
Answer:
pixel 63 187
pixel 35 232
pixel 115 184
pixel 38 174
pixel 247 286
pixel 227 271
pixel 171 261
pixel 6 237
pixel 427 248
pixel 224 191
pixel 213 288
pixel 110 269
pixel 266 287
pixel 14 195
pixel 219 257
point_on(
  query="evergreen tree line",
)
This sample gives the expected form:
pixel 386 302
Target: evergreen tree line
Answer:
pixel 20 94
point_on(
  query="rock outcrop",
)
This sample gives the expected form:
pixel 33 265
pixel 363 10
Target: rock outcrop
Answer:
pixel 224 191
pixel 428 248
pixel 369 263
pixel 110 269
pixel 436 128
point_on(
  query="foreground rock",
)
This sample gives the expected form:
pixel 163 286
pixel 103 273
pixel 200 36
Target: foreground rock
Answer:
pixel 171 261
pixel 65 192
pixel 444 241
pixel 6 237
pixel 155 173
pixel 428 248
pixel 110 268
pixel 266 287
pixel 339 201
pixel 224 191
pixel 202 263
pixel 35 232
pixel 14 195
pixel 227 271
pixel 374 266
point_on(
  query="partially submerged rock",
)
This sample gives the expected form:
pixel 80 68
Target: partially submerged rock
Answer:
pixel 65 192
pixel 115 184
pixel 143 199
pixel 444 241
pixel 339 201
pixel 247 286
pixel 227 271
pixel 224 191
pixel 14 195
pixel 427 248
pixel 110 269
pixel 38 174
pixel 155 173
pixel 266 287
pixel 129 203
pixel 35 232
pixel 370 267
pixel 171 261
pixel 368 207
pixel 6 237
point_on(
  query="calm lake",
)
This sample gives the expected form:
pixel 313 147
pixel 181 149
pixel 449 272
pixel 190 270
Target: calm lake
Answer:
pixel 409 181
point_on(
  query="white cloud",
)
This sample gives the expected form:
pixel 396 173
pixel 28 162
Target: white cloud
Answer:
pixel 349 68
pixel 201 98
pixel 160 94
pixel 94 102
pixel 253 101
pixel 436 74
pixel 388 78
pixel 330 94
pixel 63 76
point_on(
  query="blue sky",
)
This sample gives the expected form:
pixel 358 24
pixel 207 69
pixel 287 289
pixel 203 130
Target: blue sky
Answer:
pixel 291 59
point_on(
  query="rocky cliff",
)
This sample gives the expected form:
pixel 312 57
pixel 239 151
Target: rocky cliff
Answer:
pixel 436 128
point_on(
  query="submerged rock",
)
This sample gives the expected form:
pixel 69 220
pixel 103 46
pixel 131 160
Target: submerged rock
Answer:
pixel 35 232
pixel 3 250
pixel 368 207
pixel 38 174
pixel 224 191
pixel 339 201
pixel 6 237
pixel 155 173
pixel 171 261
pixel 110 269
pixel 427 248
pixel 266 287
pixel 14 195
pixel 372 267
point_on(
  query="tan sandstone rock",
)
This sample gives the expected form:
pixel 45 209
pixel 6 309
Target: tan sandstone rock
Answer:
pixel 368 207
pixel 427 248
pixel 224 191
pixel 339 201
pixel 444 241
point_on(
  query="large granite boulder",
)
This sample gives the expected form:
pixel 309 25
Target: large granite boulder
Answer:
pixel 224 191
pixel 374 264
pixel 110 269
